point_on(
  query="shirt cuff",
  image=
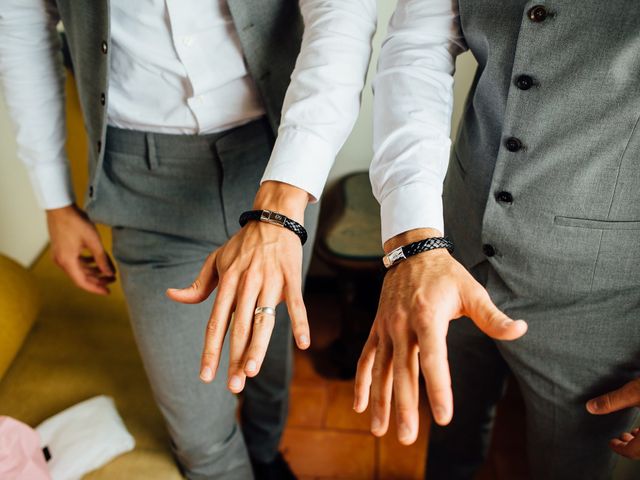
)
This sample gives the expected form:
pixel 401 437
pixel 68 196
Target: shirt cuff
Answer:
pixel 409 207
pixel 52 185
pixel 302 159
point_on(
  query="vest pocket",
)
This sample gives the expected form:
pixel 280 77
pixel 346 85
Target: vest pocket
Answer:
pixel 618 257
pixel 596 224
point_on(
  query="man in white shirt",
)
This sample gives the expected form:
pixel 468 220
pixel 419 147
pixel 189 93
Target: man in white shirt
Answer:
pixel 181 102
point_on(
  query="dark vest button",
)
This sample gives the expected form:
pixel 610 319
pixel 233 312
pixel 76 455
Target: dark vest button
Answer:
pixel 91 191
pixel 99 146
pixel 504 197
pixel 103 99
pixel 488 250
pixel 524 82
pixel 513 144
pixel 538 14
pixel 104 48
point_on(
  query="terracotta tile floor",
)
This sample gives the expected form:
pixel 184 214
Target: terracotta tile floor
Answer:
pixel 326 439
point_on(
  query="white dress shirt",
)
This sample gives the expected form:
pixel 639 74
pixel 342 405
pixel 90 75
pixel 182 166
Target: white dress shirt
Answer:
pixel 177 67
pixel 412 114
pixel 412 106
pixel 320 109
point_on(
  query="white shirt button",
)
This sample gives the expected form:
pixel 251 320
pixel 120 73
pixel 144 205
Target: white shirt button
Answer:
pixel 187 41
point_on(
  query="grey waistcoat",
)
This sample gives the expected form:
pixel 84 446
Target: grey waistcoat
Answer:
pixel 545 174
pixel 270 32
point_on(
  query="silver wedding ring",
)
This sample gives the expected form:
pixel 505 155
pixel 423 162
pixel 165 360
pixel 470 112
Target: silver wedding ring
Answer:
pixel 264 311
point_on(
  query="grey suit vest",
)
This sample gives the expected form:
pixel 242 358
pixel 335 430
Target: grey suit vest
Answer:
pixel 270 32
pixel 545 173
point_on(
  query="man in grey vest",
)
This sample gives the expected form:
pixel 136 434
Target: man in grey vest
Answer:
pixel 542 204
pixel 181 103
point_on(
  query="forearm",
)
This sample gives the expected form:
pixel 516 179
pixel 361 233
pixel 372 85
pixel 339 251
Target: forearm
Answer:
pixel 323 99
pixel 412 115
pixel 32 79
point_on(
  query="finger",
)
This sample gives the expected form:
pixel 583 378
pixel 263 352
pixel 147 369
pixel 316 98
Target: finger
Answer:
pixel 263 325
pixel 489 318
pixel 297 311
pixel 217 327
pixel 95 273
pixel 406 389
pixel 625 397
pixel 381 389
pixel 82 280
pixel 364 373
pixel 432 341
pixel 202 286
pixel 100 255
pixel 241 330
pixel 629 449
pixel 627 437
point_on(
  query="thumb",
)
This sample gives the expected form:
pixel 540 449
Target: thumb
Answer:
pixel 625 397
pixel 202 286
pixel 490 319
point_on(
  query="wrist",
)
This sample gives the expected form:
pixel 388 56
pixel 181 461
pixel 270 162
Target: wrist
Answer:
pixel 282 198
pixel 61 211
pixel 410 236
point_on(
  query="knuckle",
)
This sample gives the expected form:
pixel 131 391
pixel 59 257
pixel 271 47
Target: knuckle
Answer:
pixel 209 355
pixel 428 360
pixel 241 330
pixel 379 403
pixel 634 387
pixel 398 330
pixel 212 328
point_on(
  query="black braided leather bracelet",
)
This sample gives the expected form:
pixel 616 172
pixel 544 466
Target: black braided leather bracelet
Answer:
pixel 406 251
pixel 275 218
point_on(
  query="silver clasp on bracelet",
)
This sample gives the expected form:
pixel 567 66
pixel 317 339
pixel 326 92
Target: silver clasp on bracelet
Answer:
pixel 393 257
pixel 273 218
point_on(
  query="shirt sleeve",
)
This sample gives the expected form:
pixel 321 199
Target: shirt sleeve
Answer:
pixel 413 101
pixel 32 78
pixel 323 99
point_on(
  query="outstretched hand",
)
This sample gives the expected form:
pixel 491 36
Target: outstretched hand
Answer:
pixel 628 444
pixel 420 296
pixel 261 266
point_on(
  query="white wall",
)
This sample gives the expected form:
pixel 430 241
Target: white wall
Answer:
pixel 23 232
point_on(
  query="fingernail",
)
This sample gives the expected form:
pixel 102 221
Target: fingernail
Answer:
pixel 252 366
pixel 440 414
pixel 304 340
pixel 356 403
pixel 404 432
pixel 593 405
pixel 206 374
pixel 376 424
pixel 235 383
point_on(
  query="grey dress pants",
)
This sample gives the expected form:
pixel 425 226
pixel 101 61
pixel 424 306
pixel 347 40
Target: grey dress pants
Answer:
pixel 575 349
pixel 171 200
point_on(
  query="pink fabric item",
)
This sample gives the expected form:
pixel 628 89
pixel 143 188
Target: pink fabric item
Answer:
pixel 21 456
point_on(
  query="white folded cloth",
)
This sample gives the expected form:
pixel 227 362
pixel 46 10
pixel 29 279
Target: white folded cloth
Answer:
pixel 84 437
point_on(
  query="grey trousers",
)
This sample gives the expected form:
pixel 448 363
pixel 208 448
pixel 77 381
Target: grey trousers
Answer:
pixel 171 200
pixel 574 350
